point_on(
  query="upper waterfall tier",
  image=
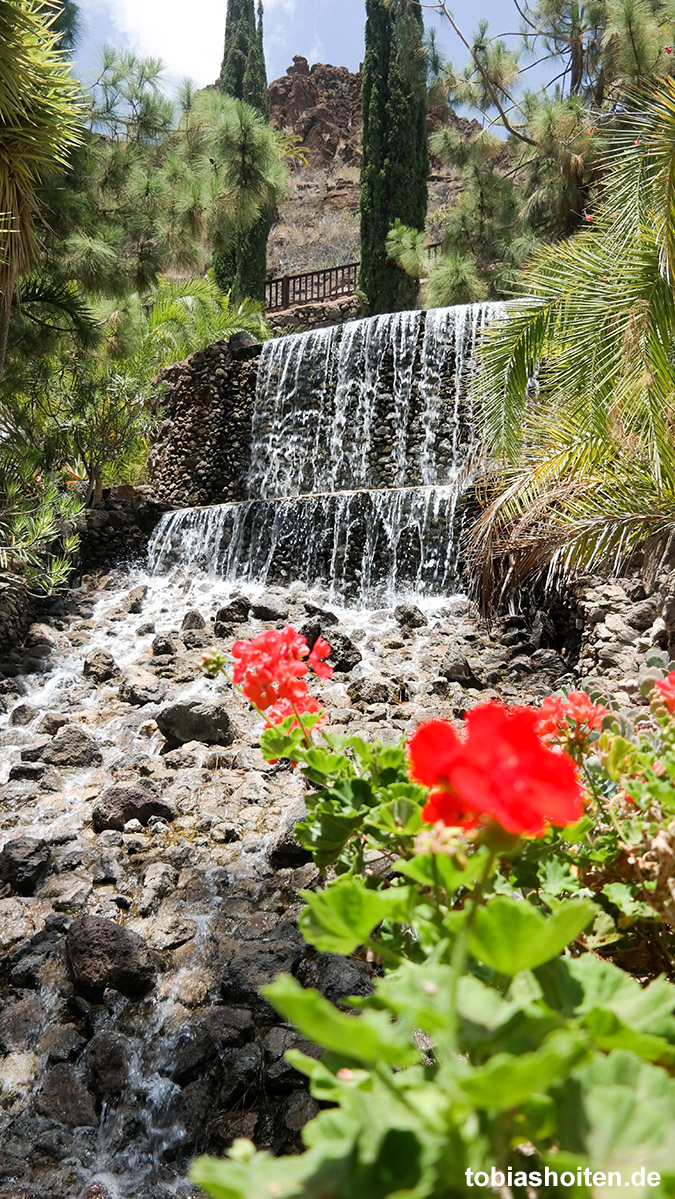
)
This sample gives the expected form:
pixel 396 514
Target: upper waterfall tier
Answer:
pixel 372 404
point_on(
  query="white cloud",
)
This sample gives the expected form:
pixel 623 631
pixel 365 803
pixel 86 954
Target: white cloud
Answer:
pixel 188 37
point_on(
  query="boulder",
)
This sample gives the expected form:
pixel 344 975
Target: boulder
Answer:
pixel 374 689
pixel 410 616
pixel 72 746
pixel 193 620
pixel 99 665
pixel 269 607
pixel 455 668
pixel 129 801
pixel 133 601
pixel 164 645
pixel 24 864
pixel 344 655
pixel 103 954
pixel 108 1057
pixel 51 723
pixel 253 964
pixel 235 612
pixel 140 687
pixel 65 1098
pixel 195 720
pixel 22 714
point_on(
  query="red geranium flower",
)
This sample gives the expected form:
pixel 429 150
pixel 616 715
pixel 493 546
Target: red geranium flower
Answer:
pixel 497 770
pixel 666 690
pixel 571 718
pixel 271 666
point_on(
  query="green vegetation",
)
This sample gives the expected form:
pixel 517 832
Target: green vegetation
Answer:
pixel 583 463
pixel 394 163
pixel 243 267
pixel 531 168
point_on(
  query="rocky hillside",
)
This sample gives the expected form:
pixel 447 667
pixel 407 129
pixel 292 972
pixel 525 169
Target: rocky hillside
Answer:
pixel 318 225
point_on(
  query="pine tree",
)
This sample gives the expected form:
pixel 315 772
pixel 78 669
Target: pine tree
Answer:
pixel 244 76
pixel 394 162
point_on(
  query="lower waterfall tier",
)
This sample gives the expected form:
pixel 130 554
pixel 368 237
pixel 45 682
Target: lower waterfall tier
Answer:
pixel 358 546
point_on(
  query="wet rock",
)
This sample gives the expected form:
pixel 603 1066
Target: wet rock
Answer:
pixel 334 976
pixel 374 689
pixel 170 931
pixel 27 770
pixel 326 617
pixel 251 966
pixel 51 723
pixel 123 802
pixel 65 1098
pixel 164 645
pixel 410 616
pixel 22 714
pixel 72 746
pixel 133 601
pixel 20 1024
pixel 236 612
pixel 107 1058
pixel 99 665
pixel 140 687
pixel 195 720
pixel 193 620
pixel 455 668
pixel 192 1051
pixel 159 880
pixel 61 1042
pixel 283 848
pixel 269 607
pixel 24 863
pixel 344 655
pixel 67 892
pixel 103 954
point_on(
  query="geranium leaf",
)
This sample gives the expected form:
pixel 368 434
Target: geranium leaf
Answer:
pixel 510 935
pixel 344 916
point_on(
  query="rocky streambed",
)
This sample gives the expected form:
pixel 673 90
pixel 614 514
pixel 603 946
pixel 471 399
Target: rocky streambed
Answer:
pixel 149 877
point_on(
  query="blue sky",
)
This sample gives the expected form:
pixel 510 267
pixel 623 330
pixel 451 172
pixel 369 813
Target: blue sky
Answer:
pixel 189 36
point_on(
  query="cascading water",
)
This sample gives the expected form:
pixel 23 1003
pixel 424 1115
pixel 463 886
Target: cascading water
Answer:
pixel 361 440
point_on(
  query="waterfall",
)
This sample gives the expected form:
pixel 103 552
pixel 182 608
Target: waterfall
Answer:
pixel 361 435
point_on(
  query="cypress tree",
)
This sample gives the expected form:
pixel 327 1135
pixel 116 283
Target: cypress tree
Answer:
pixel 394 155
pixel 244 76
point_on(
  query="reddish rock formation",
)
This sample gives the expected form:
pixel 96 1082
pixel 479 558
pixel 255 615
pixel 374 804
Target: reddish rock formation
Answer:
pixel 322 105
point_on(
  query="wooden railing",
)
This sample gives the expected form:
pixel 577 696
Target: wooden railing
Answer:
pixel 312 286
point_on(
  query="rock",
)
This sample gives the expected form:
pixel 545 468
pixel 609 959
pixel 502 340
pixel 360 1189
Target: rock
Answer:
pixel 159 880
pixel 51 723
pixel 410 617
pixel 140 687
pixel 642 616
pixel 193 620
pixel 236 612
pixel 65 1098
pixel 344 655
pixel 455 668
pixel 195 720
pixel 103 954
pixel 20 1024
pixel 324 615
pixel 22 714
pixel 252 965
pixel 24 863
pixel 241 341
pixel 107 1059
pixel 130 801
pixel 27 770
pixel 99 665
pixel 133 602
pixel 374 689
pixel 269 607
pixel 164 645
pixel 68 892
pixel 73 746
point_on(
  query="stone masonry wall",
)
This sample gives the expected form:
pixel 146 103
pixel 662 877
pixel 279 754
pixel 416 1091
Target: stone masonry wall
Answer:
pixel 204 440
pixel 16 611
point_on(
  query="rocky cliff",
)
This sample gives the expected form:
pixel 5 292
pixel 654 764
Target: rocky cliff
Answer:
pixel 322 106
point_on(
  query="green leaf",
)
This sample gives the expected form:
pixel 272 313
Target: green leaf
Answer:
pixel 370 1038
pixel 507 1081
pixel 622 896
pixel 275 743
pixel 343 916
pixel 510 935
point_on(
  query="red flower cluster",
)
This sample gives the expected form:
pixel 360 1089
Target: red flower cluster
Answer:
pixel 271 666
pixel 497 770
pixel 666 691
pixel 572 718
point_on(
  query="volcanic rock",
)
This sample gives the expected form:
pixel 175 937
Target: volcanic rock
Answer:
pixel 456 669
pixel 64 1097
pixel 129 801
pixel 195 720
pixel 24 863
pixel 72 746
pixel 140 687
pixel 103 954
pixel 410 616
pixel 99 665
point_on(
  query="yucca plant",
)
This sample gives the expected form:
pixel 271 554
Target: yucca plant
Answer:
pixel 577 382
pixel 39 122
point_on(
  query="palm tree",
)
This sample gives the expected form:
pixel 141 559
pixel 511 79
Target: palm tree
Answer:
pixel 38 123
pixel 577 382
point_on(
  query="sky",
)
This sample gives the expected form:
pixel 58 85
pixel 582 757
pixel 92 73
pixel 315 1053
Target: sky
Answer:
pixel 189 36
